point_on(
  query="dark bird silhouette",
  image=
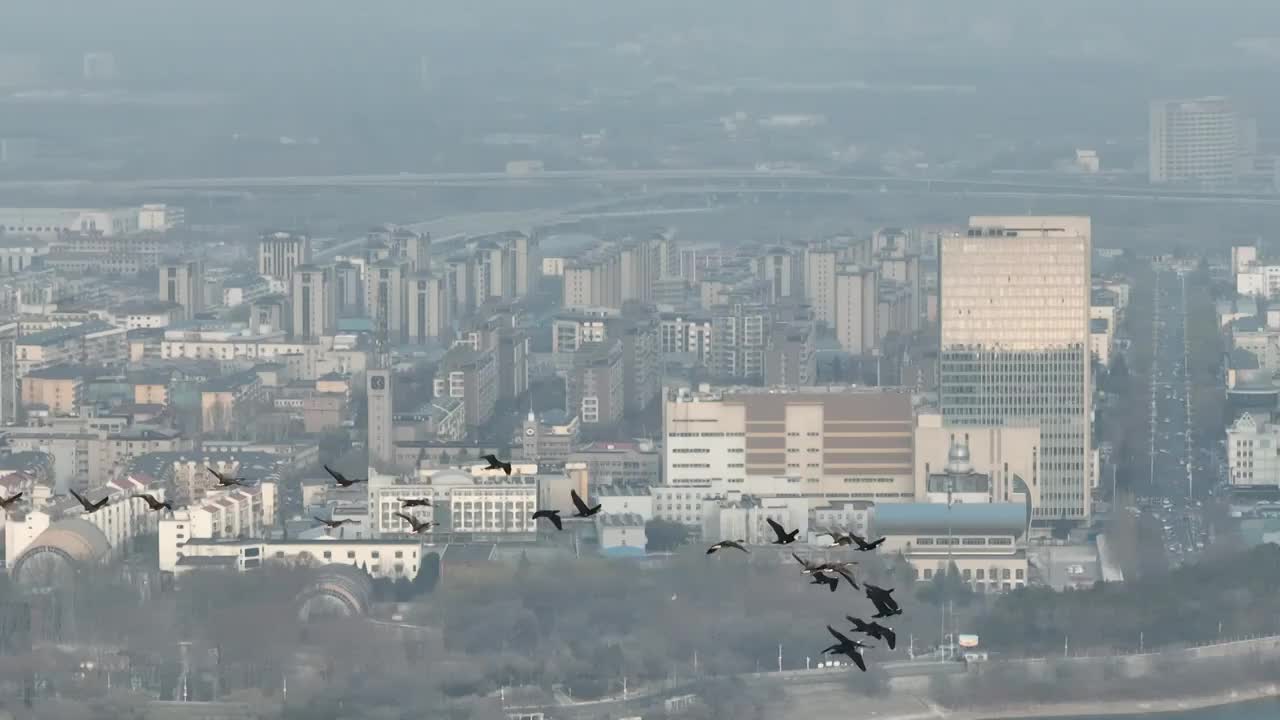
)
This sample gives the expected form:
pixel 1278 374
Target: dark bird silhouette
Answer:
pixel 155 504
pixel 838 539
pixel 881 595
pixel 838 568
pixel 88 506
pixel 419 526
pixel 334 524
pixel 847 646
pixel 822 579
pixel 226 480
pixel 496 464
pixel 6 503
pixel 552 515
pixel 341 479
pixel 727 544
pixel 784 537
pixel 863 545
pixel 886 606
pixel 414 502
pixel 583 510
pixel 884 611
pixel 875 630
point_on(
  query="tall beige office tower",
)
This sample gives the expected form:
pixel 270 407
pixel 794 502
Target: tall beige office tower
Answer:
pixel 385 299
pixel 428 308
pixel 182 282
pixel 1199 141
pixel 820 268
pixel 314 300
pixel 280 252
pixel 1014 306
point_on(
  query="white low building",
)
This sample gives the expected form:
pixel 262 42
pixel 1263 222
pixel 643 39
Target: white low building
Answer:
pixel 122 519
pixel 470 500
pixel 243 513
pixel 1253 452
pixel 387 558
pixel 745 518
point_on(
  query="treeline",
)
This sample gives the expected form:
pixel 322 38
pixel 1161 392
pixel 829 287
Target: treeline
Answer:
pixel 1229 596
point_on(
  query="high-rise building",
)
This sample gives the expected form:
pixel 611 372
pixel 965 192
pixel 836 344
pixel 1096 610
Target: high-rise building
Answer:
pixel 270 314
pixel 739 338
pixel 315 310
pixel 820 267
pixel 780 268
pixel 857 301
pixel 791 359
pixel 1014 307
pixel 1197 140
pixel 10 398
pixel 280 252
pixel 348 289
pixel 837 441
pixel 471 376
pixel 182 283
pixel 428 311
pixel 382 449
pixel 593 390
pixel 385 299
pixel 413 248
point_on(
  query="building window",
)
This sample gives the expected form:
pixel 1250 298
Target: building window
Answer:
pixel 328 555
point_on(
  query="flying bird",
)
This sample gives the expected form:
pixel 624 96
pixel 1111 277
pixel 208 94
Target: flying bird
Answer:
pixel 838 539
pixel 737 544
pixel 414 502
pixel 809 568
pixel 418 526
pixel 864 546
pixel 846 646
pixel 6 503
pixel 822 579
pixel 496 464
pixel 226 480
pixel 88 506
pixel 342 479
pixel 155 504
pixel 886 606
pixel 334 524
pixel 583 510
pixel 838 568
pixel 784 537
pixel 875 630
pixel 552 515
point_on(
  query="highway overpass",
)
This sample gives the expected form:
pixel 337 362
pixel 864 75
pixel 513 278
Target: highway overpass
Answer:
pixel 710 180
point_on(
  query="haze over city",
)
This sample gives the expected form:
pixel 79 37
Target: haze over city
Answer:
pixel 573 360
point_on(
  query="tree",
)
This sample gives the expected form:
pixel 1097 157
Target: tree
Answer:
pixel 664 536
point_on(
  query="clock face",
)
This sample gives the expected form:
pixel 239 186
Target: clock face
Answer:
pixel 377 382
pixel 528 431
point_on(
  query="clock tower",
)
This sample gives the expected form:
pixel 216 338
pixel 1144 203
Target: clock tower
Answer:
pixel 382 449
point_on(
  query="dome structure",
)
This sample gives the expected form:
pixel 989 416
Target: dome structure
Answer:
pixel 51 560
pixel 958 461
pixel 336 590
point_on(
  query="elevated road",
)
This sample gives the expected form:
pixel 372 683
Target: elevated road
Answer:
pixel 709 180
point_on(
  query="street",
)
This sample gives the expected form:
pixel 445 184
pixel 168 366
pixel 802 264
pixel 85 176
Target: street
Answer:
pixel 1171 510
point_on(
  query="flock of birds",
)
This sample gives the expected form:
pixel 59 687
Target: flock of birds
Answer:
pixel 825 573
pixel 830 573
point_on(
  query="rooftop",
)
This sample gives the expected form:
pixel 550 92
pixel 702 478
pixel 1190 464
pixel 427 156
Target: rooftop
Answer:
pixel 960 518
pixel 57 336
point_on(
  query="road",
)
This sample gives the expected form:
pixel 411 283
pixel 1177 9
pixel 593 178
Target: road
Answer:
pixel 1171 510
pixel 709 180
